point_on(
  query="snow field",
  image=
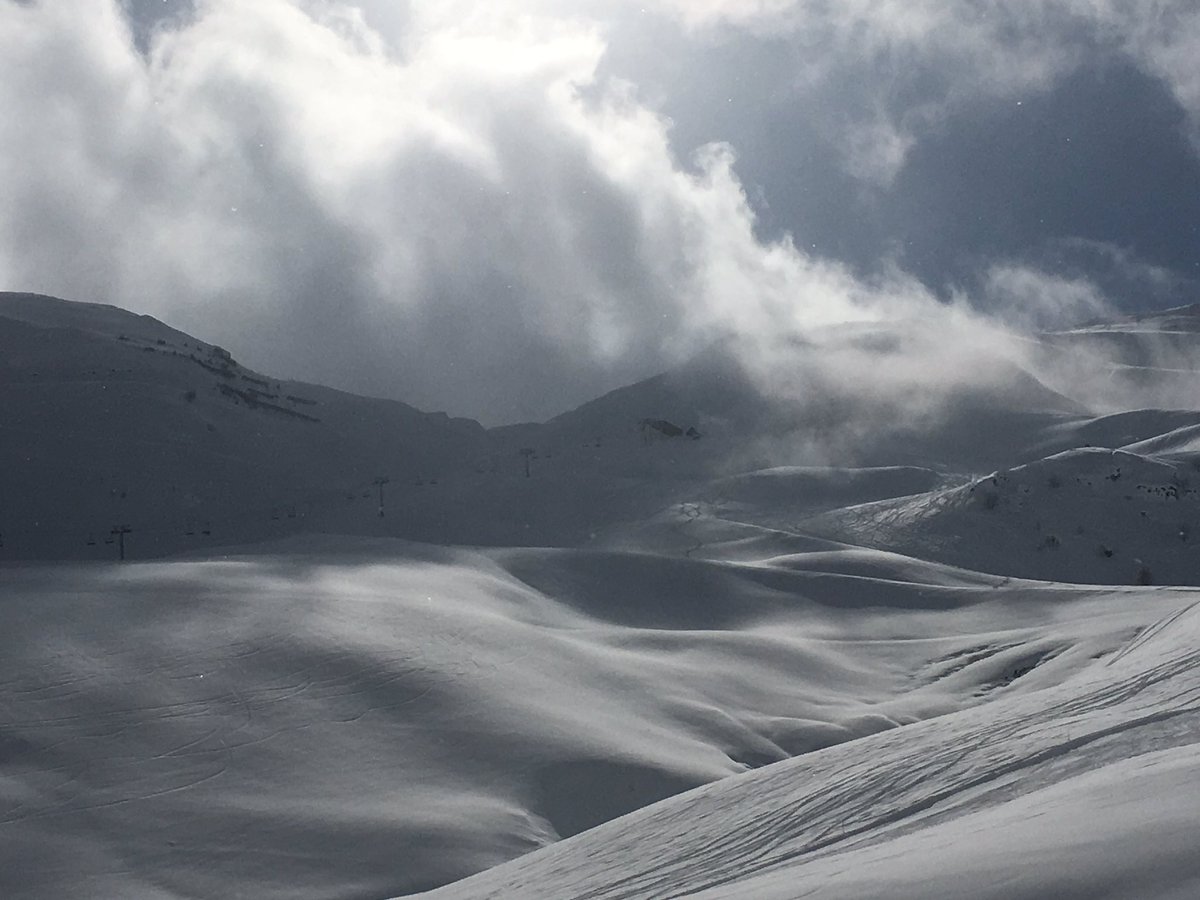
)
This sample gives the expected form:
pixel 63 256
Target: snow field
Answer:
pixel 1083 789
pixel 340 717
pixel 814 652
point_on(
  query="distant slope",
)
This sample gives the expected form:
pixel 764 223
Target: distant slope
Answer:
pixel 748 423
pixel 111 418
pixel 1090 515
pixel 43 311
pixel 810 489
pixel 1152 359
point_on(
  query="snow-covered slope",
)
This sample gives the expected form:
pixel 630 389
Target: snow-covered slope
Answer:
pixel 110 418
pixel 341 718
pixel 98 319
pixel 115 419
pixel 1088 515
pixel 791 653
pixel 756 424
pixel 1083 789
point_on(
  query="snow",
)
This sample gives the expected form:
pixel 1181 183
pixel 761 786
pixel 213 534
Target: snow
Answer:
pixel 1087 515
pixel 653 667
pixel 1124 830
pixel 978 790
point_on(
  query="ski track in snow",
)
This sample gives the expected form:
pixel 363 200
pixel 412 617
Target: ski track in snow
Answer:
pixel 1143 699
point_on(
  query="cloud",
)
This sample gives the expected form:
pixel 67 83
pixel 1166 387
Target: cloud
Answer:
pixel 1030 299
pixel 448 203
pixel 460 224
pixel 876 76
pixel 410 225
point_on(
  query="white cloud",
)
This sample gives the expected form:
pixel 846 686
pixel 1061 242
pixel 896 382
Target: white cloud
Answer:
pixel 1034 300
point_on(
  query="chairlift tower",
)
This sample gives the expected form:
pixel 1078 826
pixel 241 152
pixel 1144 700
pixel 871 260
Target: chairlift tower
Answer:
pixel 120 531
pixel 379 483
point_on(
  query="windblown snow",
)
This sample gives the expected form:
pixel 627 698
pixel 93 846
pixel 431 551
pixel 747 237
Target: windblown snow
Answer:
pixel 357 650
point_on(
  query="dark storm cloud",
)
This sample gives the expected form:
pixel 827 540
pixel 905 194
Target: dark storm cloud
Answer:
pixel 1063 131
pixel 1099 160
pixel 503 209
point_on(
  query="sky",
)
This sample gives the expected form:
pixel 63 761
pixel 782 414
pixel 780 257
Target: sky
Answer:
pixel 503 209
